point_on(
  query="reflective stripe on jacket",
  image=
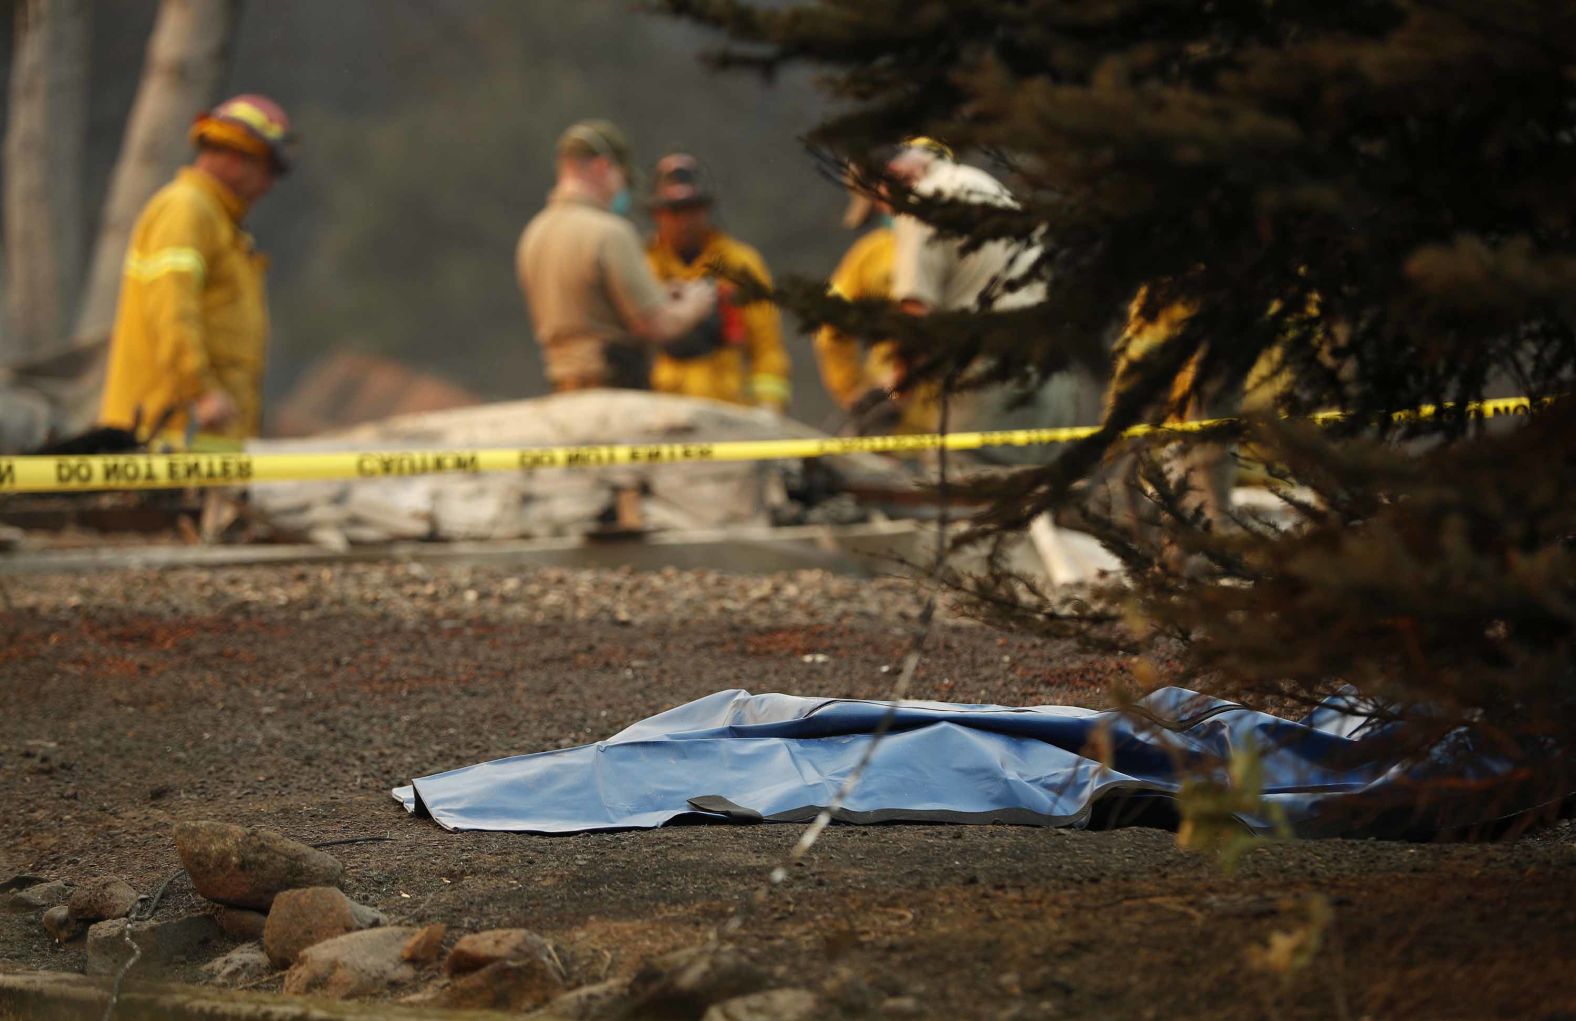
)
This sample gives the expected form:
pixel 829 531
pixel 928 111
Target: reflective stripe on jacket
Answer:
pixel 721 375
pixel 192 314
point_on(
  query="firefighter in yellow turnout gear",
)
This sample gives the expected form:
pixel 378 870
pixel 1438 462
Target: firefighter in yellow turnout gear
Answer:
pixel 1145 331
pixel 191 326
pixel 736 354
pixel 1209 468
pixel 853 368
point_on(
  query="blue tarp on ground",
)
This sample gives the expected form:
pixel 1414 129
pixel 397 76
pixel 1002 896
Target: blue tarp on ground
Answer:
pixel 733 755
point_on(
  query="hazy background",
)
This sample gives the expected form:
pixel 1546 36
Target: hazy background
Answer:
pixel 427 130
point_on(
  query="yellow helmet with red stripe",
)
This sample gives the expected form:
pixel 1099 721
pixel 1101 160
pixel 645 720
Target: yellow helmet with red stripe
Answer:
pixel 249 123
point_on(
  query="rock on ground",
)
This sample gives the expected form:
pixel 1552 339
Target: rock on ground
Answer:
pixel 505 985
pixel 241 965
pixel 901 1006
pixel 107 947
pixel 248 866
pixel 588 1003
pixel 425 946
pixel 363 963
pixel 772 1005
pixel 685 983
pixel 480 949
pixel 100 898
pixel 301 918
pixel 163 944
pixel 60 924
pixel 241 923
pixel 38 897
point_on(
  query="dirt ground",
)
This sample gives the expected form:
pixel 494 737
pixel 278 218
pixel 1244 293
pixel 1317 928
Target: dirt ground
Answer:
pixel 296 697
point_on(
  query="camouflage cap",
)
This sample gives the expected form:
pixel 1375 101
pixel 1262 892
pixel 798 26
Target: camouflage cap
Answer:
pixel 598 137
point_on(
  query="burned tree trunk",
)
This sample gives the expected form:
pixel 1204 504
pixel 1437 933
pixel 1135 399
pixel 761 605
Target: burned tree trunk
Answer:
pixel 44 142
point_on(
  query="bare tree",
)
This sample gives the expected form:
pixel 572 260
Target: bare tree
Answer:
pixel 44 143
pixel 188 55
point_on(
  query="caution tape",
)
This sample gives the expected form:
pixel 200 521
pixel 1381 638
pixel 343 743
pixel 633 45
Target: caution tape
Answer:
pixel 55 473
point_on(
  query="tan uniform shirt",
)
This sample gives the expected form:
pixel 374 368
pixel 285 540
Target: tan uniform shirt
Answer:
pixel 584 273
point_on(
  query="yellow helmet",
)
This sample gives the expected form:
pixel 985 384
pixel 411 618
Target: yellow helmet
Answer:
pixel 250 123
pixel 925 143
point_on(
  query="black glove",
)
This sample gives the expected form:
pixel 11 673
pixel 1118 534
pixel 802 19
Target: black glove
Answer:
pixel 875 413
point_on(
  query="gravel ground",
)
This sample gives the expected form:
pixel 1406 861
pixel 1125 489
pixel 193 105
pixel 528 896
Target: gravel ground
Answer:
pixel 294 698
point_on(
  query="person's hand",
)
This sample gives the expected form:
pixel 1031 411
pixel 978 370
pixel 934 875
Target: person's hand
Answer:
pixel 700 296
pixel 892 376
pixel 214 410
pixel 688 306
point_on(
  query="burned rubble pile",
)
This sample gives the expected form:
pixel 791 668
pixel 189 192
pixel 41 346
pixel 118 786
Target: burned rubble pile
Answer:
pixel 276 913
pixel 550 503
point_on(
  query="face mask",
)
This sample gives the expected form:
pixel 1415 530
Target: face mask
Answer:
pixel 622 202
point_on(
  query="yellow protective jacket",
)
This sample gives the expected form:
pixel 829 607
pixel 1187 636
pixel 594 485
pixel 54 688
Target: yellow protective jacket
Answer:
pixel 1142 334
pixel 192 315
pixel 849 366
pixel 721 374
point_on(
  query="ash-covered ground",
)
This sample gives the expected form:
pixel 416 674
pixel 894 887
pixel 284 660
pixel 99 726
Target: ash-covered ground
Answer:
pixel 294 698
